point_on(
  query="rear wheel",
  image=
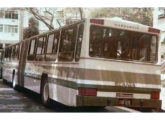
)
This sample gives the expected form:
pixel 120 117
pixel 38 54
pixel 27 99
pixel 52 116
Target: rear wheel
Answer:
pixel 45 93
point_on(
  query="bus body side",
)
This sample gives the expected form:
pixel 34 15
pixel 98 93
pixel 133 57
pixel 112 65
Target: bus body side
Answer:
pixel 10 63
pixel 40 64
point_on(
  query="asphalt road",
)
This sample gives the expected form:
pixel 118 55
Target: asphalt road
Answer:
pixel 23 100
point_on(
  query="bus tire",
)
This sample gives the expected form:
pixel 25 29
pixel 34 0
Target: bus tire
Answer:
pixel 13 80
pixel 45 92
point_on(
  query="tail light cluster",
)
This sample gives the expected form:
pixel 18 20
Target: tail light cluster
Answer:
pixel 97 21
pixel 155 95
pixel 87 91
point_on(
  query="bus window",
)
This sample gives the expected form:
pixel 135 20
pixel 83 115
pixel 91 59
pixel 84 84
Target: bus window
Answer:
pixel 31 54
pixel 67 44
pixel 121 44
pixel 40 53
pixel 32 47
pixel 40 45
pixel 56 40
pixel 79 41
pixel 50 43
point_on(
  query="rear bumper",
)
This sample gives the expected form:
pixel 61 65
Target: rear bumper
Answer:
pixel 106 101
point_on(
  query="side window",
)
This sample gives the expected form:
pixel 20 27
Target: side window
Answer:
pixel 50 43
pixel 40 45
pixel 56 40
pixel 67 43
pixel 31 54
pixel 79 42
pixel 32 45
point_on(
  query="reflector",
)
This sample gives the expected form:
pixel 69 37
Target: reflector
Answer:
pixel 87 91
pixel 155 95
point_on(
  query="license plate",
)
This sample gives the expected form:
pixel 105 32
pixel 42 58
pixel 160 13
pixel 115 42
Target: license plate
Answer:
pixel 124 95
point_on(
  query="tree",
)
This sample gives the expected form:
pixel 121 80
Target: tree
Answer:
pixel 76 13
pixel 141 15
pixel 53 14
pixel 32 29
pixel 47 20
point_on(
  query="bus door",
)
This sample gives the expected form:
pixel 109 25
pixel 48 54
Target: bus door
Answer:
pixel 22 62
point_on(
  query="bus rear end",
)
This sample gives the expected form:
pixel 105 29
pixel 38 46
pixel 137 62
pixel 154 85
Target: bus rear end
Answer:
pixel 121 66
pixel 135 86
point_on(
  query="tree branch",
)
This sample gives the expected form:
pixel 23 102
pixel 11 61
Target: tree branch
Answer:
pixel 39 17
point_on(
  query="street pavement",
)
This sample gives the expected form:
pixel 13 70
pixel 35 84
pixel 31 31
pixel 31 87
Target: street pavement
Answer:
pixel 15 101
pixel 23 100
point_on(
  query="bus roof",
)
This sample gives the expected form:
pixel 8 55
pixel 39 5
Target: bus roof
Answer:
pixel 110 22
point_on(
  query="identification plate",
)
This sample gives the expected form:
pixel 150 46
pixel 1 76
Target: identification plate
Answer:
pixel 124 95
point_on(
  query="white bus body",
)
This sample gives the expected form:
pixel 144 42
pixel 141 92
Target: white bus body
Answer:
pixel 83 71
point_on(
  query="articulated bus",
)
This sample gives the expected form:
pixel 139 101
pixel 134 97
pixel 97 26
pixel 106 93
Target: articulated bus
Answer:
pixel 93 62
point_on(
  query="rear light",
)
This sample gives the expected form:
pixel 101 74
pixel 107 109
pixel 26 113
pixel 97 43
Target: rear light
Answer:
pixel 153 30
pixel 97 21
pixel 87 91
pixel 155 95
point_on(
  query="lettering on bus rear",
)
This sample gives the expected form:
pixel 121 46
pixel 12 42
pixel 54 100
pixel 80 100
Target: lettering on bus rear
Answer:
pixel 125 84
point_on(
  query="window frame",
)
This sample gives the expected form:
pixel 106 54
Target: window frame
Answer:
pixel 11 28
pixel 11 15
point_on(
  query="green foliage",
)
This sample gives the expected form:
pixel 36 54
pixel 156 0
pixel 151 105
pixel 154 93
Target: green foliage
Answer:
pixel 32 29
pixel 140 15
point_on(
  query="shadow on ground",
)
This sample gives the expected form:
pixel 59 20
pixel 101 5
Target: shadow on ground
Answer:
pixel 24 100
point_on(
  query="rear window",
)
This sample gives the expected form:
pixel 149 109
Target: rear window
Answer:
pixel 121 44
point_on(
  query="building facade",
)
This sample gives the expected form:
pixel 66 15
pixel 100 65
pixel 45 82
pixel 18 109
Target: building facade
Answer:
pixel 9 27
pixel 159 21
pixel 14 20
